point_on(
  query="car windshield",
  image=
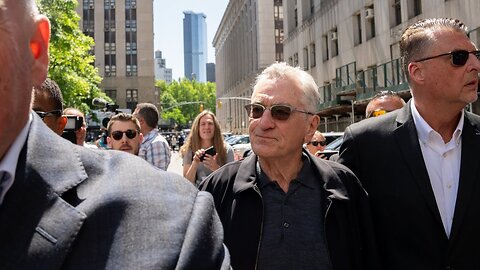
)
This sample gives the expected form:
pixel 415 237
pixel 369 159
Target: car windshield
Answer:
pixel 335 144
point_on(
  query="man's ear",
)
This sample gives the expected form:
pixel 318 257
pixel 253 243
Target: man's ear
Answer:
pixel 415 72
pixel 39 50
pixel 109 142
pixel 312 127
pixel 62 122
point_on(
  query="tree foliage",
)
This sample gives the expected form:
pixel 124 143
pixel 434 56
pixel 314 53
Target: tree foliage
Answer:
pixel 70 60
pixel 183 91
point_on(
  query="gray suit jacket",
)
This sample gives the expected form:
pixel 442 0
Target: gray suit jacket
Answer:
pixel 384 153
pixel 77 208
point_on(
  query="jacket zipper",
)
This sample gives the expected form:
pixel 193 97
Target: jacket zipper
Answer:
pixel 255 187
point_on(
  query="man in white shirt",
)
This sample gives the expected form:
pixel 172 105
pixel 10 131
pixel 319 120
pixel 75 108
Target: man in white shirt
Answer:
pixel 420 164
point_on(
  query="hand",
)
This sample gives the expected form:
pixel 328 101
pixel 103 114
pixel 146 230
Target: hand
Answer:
pixel 320 155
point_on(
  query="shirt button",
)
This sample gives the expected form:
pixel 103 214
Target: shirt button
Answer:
pixel 286 225
pixel 449 186
pixel 444 155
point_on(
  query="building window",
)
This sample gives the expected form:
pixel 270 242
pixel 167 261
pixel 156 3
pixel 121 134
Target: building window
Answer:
pixel 305 58
pixel 295 59
pixel 325 47
pixel 313 61
pixel 132 99
pixel 397 13
pixel 334 42
pixel 295 15
pixel 369 22
pixel 111 93
pixel 278 19
pixel 357 29
pixel 414 8
pixel 130 4
pixel 312 7
pixel 109 4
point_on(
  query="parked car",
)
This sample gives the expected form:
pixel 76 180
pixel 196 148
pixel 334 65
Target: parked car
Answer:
pixel 332 136
pixel 237 139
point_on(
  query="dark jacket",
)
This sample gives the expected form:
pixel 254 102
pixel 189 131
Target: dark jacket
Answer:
pixel 385 153
pixel 344 203
pixel 76 208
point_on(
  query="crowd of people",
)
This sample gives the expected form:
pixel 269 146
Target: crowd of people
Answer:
pixel 401 195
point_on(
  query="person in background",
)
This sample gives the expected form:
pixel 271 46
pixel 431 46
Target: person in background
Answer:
pixel 420 164
pixel 81 133
pixel 281 207
pixel 205 132
pixel 124 133
pixel 154 148
pixel 63 206
pixel 48 104
pixel 382 103
pixel 317 144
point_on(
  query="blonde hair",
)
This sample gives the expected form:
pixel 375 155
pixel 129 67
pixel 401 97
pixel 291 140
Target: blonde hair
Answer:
pixel 193 142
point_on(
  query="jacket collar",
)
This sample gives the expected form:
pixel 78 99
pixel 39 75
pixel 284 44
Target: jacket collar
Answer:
pixel 335 189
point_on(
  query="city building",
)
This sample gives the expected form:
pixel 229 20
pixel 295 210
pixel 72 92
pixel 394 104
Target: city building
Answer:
pixel 161 70
pixel 248 39
pixel 123 34
pixel 351 48
pixel 210 72
pixel 195 46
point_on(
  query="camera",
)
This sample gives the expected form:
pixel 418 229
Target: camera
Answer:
pixel 74 123
pixel 210 150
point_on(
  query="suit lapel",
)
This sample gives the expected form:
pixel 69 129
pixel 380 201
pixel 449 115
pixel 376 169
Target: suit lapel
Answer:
pixel 407 139
pixel 468 172
pixel 37 227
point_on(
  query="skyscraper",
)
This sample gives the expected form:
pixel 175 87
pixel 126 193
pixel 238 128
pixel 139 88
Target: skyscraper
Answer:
pixel 195 46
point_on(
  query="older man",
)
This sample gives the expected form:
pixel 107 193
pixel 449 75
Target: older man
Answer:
pixel 420 164
pixel 124 133
pixel 63 206
pixel 281 207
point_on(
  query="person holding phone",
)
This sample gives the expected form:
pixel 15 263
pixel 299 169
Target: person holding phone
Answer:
pixel 205 150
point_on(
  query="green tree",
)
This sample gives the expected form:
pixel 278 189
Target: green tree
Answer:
pixel 71 64
pixel 185 91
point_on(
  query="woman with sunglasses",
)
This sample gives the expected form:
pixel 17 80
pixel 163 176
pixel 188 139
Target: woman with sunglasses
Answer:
pixel 205 133
pixel 317 144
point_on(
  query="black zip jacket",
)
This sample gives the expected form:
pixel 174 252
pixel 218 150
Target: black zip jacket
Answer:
pixel 348 226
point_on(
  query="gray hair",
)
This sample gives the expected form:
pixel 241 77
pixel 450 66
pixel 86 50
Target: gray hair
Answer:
pixel 418 37
pixel 311 97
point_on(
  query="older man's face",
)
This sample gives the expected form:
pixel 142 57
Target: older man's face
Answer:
pixel 124 136
pixel 21 66
pixel 273 138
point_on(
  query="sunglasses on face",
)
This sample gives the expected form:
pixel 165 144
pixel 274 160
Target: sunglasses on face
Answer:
pixel 279 112
pixel 118 135
pixel 315 143
pixel 50 113
pixel 459 58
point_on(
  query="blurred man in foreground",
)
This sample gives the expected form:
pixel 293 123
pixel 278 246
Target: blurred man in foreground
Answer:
pixel 63 206
pixel 124 133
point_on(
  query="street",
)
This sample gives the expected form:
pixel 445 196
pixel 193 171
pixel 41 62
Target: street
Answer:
pixel 176 163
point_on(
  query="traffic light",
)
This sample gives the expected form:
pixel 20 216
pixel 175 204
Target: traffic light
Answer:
pixel 201 107
pixel 219 104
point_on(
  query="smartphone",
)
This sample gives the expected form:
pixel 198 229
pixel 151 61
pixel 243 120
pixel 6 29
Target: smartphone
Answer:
pixel 210 150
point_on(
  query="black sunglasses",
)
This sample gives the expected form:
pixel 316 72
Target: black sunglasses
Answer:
pixel 279 112
pixel 316 143
pixel 118 135
pixel 50 113
pixel 459 58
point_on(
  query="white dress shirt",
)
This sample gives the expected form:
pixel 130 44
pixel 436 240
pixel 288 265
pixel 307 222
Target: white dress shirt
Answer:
pixel 443 164
pixel 8 164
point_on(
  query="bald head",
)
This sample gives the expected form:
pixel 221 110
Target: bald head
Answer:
pixel 384 103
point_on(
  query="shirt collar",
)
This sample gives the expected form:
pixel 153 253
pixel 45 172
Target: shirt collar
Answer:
pixel 8 164
pixel 424 130
pixel 150 135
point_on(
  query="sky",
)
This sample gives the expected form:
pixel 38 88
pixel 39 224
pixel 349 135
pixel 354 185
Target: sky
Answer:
pixel 168 28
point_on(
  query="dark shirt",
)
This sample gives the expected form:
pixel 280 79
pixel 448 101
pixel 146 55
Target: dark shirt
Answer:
pixel 293 235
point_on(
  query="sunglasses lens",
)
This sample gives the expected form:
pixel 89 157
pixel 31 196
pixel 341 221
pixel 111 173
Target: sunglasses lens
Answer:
pixel 280 112
pixel 131 133
pixel 117 135
pixel 323 143
pixel 459 58
pixel 255 110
